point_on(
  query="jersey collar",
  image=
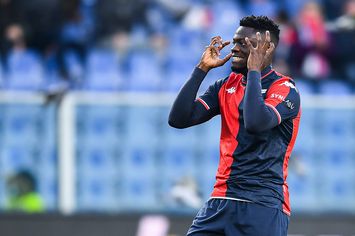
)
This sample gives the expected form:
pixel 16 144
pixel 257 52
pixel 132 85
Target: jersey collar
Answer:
pixel 264 73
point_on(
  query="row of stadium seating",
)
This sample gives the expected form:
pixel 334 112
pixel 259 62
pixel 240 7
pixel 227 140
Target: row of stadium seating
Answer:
pixel 125 161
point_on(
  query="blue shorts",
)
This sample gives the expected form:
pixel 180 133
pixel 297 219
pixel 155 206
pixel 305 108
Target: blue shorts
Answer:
pixel 222 217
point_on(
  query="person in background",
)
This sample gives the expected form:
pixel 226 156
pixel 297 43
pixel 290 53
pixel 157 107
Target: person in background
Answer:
pixel 22 194
pixel 313 46
pixel 342 30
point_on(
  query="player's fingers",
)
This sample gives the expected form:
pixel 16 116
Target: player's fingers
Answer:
pixel 250 46
pixel 258 39
pixel 215 40
pixel 271 49
pixel 267 40
pixel 220 47
pixel 267 37
pixel 227 57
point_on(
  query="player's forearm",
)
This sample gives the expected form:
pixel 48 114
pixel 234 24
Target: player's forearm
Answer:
pixel 182 111
pixel 257 116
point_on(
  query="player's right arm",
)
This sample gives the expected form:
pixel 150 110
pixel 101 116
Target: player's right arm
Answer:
pixel 187 110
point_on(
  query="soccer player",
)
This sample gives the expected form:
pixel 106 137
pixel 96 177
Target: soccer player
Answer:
pixel 260 113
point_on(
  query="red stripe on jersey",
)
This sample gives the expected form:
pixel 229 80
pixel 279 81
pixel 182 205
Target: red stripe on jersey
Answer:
pixel 267 74
pixel 286 206
pixel 229 103
pixel 203 103
pixel 276 112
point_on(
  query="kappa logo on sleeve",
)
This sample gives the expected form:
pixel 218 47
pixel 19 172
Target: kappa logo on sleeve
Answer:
pixel 289 84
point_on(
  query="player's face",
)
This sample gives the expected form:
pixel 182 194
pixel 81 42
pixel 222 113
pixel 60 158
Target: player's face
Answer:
pixel 240 49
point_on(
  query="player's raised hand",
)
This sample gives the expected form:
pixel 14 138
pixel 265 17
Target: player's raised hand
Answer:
pixel 211 56
pixel 261 55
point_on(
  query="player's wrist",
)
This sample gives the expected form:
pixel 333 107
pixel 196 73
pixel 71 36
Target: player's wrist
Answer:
pixel 203 67
pixel 257 69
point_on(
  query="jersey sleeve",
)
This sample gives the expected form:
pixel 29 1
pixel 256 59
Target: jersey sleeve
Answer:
pixel 210 98
pixel 284 99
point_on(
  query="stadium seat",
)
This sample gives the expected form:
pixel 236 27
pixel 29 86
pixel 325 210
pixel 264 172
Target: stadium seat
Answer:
pixel 103 71
pixel 96 161
pixel 16 157
pixel 138 193
pixel 337 191
pixel 225 13
pixel 336 126
pixel 303 192
pixel 97 193
pixel 21 124
pixel 145 71
pixel 97 125
pixel 47 186
pixel 2 75
pixel 74 66
pixel 25 71
pixel 178 162
pixel 143 126
pixel 304 87
pixel 334 87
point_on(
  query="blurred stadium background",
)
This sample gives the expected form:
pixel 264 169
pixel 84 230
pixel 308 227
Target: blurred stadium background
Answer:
pixel 86 87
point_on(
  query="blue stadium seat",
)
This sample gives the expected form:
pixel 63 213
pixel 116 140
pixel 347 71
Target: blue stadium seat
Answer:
pixel 74 66
pixel 96 161
pixel 47 186
pixel 139 160
pixel 304 87
pixel 25 71
pixel 225 13
pixel 138 193
pixel 304 193
pixel 336 127
pixel 143 126
pixel 178 162
pixel 16 157
pixel 337 191
pixel 97 125
pixel 96 193
pixel 307 136
pixel 2 75
pixel 334 87
pixel 145 71
pixel 21 124
pixel 103 71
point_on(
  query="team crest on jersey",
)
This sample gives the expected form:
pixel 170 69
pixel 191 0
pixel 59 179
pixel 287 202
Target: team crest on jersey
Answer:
pixel 231 90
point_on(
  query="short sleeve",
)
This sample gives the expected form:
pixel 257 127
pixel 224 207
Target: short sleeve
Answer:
pixel 284 99
pixel 210 98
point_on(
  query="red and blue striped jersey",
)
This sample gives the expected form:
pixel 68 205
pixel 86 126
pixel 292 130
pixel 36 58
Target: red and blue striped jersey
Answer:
pixel 254 166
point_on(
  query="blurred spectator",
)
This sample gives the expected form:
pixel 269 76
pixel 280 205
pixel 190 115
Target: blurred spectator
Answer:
pixel 43 20
pixel 288 39
pixel 10 14
pixel 114 16
pixel 186 193
pixel 343 32
pixel 312 49
pixel 15 38
pixel 21 188
pixel 75 36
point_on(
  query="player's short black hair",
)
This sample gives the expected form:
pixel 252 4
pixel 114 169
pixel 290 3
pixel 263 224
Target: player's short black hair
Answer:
pixel 262 23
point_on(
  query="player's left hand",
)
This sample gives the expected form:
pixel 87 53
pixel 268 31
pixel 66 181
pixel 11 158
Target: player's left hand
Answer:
pixel 261 55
